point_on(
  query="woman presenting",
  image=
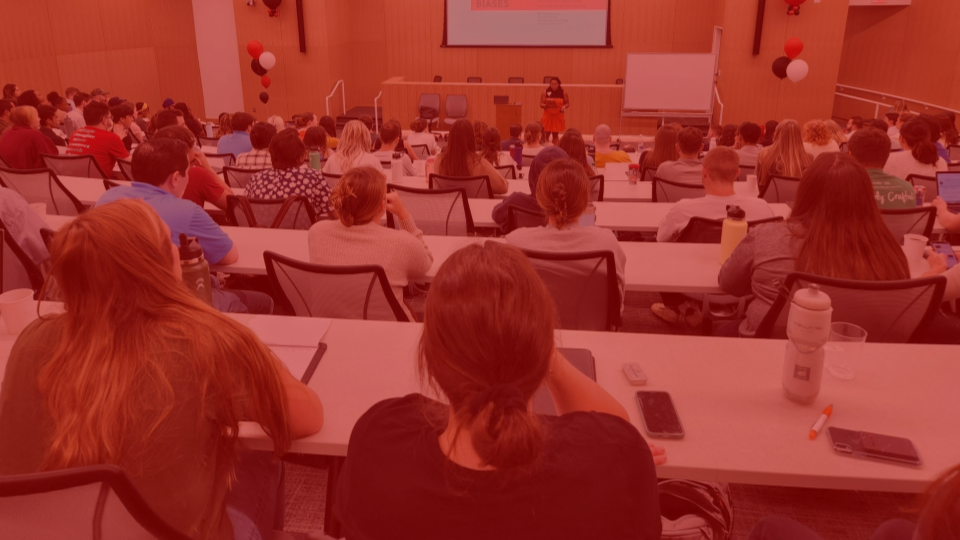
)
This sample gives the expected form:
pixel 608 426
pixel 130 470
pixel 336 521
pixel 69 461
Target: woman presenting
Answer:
pixel 554 102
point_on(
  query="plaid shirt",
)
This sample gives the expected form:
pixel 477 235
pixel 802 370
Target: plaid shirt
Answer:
pixel 254 159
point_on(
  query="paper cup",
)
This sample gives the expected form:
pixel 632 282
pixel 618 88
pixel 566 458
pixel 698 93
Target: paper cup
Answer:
pixel 18 309
pixel 913 247
pixel 40 208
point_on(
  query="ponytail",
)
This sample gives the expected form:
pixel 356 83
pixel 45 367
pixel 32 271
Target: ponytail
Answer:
pixel 917 135
pixel 504 434
pixel 532 133
pixel 357 198
pixel 563 191
pixel 491 146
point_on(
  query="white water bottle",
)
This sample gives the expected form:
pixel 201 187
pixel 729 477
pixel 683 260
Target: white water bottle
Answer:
pixel 808 330
pixel 396 168
pixel 208 129
pixel 753 187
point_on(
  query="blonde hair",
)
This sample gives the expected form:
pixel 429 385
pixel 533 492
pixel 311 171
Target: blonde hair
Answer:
pixel 354 143
pixel 836 132
pixel 563 191
pixel 358 197
pixel 24 115
pixel 815 132
pixel 786 156
pixel 722 164
pixel 532 133
pixel 107 386
pixel 277 122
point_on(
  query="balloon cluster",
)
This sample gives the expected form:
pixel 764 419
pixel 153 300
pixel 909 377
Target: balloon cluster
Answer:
pixel 789 66
pixel 793 9
pixel 261 63
pixel 273 6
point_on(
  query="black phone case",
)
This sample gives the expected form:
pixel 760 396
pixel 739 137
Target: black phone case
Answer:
pixel 866 445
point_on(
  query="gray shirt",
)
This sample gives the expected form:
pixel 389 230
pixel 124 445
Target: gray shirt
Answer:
pixel 687 171
pixel 748 155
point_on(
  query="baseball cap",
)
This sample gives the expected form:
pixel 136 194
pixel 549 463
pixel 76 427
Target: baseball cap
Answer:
pixel 99 92
pixel 167 103
pixel 114 101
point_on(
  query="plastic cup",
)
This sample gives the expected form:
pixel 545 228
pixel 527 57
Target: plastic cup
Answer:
pixel 40 208
pixel 18 309
pixel 913 247
pixel 844 350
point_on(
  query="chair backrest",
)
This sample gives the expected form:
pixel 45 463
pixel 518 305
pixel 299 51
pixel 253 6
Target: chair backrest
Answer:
pixel 910 221
pixel 476 187
pixel 474 79
pixel 110 184
pixel 843 148
pixel 126 169
pixel 509 172
pixel 929 183
pixel 82 166
pixel 19 272
pixel 42 186
pixel 527 160
pixel 744 171
pixel 96 501
pixel 583 285
pixel 701 230
pixel 422 150
pixel 514 80
pixel 953 152
pixel 47 236
pixel 332 180
pixel 456 106
pixel 890 311
pixel 649 173
pixel 238 178
pixel 618 81
pixel 596 188
pixel 437 212
pixel 669 191
pixel 429 107
pixel 228 159
pixel 294 212
pixel 208 141
pixel 339 292
pixel 518 218
pixel 781 189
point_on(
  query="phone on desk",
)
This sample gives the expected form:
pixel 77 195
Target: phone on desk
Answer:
pixel 944 248
pixel 863 444
pixel 314 362
pixel 660 417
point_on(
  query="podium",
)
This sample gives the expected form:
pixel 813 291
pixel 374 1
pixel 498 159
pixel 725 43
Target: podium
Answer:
pixel 507 114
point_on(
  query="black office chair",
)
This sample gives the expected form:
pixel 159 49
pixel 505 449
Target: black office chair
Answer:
pixel 584 287
pixel 780 189
pixel 126 169
pixel 429 109
pixel 474 80
pixel 670 191
pixel 437 78
pixel 237 178
pixel 701 230
pixel 42 186
pixel 515 80
pixel 547 79
pixel 618 81
pixel 437 212
pixel 596 188
pixel 294 212
pixel 17 270
pixel 903 221
pixel 509 172
pixel 476 187
pixel 929 183
pixel 228 159
pixel 81 166
pixel 518 218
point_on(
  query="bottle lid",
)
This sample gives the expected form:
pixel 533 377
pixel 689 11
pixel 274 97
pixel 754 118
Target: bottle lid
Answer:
pixel 396 155
pixel 812 298
pixel 635 166
pixel 189 248
pixel 735 212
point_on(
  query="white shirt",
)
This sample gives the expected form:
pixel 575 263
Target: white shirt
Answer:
pixel 74 121
pixel 903 164
pixel 748 155
pixel 23 225
pixel 815 151
pixel 408 169
pixel 334 166
pixel 710 207
pixel 423 138
pixel 894 135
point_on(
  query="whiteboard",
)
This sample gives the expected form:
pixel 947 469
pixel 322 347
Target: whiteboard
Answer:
pixel 669 82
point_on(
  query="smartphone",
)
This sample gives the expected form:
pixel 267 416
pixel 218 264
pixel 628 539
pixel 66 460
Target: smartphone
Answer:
pixel 660 417
pixel 944 248
pixel 314 362
pixel 863 444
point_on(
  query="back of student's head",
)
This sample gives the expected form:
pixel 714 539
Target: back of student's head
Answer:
pixel 892 117
pixel 358 197
pixel 241 121
pixel 843 234
pixel 261 134
pixel 690 140
pixel 722 164
pixel 480 291
pixel 836 132
pixel 876 123
pixel 47 113
pixel 315 138
pixel 563 191
pixel 816 133
pixel 185 109
pixel 302 120
pixel 664 147
pixel 769 128
pixel 6 105
pixel 224 121
pixel 391 131
pixel 95 112
pixel 750 133
pixel 460 155
pixel 602 134
pixel 287 150
pixel 532 133
pixel 543 158
pixel 856 121
pixel 906 117
pixel 367 120
pixel 573 144
pixel 916 133
pixel 164 118
pixel 180 133
pixel 728 136
pixel 490 145
pixel 354 143
pixel 81 98
pixel 515 131
pixel 29 98
pixel 329 124
pixel 418 125
pixel 155 160
pixel 122 110
pixel 24 115
pixel 870 147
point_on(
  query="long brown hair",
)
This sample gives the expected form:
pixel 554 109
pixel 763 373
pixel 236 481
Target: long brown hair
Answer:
pixel 359 195
pixel 459 156
pixel 563 191
pixel 572 143
pixel 106 385
pixel 917 135
pixel 786 156
pixel 664 148
pixel 941 508
pixel 532 134
pixel 491 146
pixel 480 291
pixel 479 130
pixel 838 222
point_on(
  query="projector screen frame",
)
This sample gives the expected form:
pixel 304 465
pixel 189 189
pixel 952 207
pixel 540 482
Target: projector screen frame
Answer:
pixel 609 45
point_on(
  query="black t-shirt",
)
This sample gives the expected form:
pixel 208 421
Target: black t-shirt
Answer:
pixel 596 479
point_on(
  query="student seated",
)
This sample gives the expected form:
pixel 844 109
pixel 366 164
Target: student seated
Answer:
pixel 687 168
pixel 836 132
pixel 835 194
pixel 515 131
pixel 124 125
pixel 304 121
pixel 563 193
pixel 22 144
pixel 160 177
pixel 486 466
pixel 261 133
pixel 853 124
pixel 526 201
pixel 871 148
pixel 603 154
pixel 664 148
pixel 769 128
pixel 6 108
pixel 391 141
pixel 97 139
pixel 237 142
pixel 728 137
pixel 204 184
pixel 353 150
pixel 459 158
pixel 330 126
pixel 315 139
pixel 74 119
pixel 360 200
pixel 747 143
pixel 817 139
pixel 490 151
pixel 572 143
pixel 919 155
pixel 786 156
pixel 287 177
pixel 51 120
pixel 420 137
pixel 532 139
pixel 367 121
pixel 132 374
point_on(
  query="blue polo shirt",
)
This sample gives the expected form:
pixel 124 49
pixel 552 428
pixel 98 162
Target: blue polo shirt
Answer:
pixel 183 217
pixel 234 143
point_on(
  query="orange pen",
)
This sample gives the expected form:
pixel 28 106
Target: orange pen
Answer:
pixel 818 425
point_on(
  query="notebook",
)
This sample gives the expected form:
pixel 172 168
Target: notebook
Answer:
pixel 948 187
pixel 581 359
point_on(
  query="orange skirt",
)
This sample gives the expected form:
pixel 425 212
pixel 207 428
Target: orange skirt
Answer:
pixel 553 120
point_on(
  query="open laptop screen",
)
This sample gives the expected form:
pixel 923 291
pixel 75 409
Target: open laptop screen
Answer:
pixel 948 186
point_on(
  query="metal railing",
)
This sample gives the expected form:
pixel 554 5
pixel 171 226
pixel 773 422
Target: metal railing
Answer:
pixel 343 95
pixel 376 113
pixel 887 95
pixel 716 93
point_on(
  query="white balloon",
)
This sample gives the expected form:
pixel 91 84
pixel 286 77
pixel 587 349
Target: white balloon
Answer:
pixel 796 71
pixel 267 60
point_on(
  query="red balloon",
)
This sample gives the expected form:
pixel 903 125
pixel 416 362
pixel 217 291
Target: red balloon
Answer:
pixel 255 48
pixel 793 48
pixel 265 81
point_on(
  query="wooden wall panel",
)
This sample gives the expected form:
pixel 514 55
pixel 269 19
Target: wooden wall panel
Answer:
pixel 76 26
pixel 178 71
pixel 85 70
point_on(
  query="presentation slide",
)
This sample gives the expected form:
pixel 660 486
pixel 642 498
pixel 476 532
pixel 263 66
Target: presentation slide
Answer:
pixel 527 23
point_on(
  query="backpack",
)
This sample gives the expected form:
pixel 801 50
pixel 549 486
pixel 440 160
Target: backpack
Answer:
pixel 695 510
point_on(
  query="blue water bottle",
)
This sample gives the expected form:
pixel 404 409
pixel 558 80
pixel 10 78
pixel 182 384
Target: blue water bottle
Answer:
pixel 517 154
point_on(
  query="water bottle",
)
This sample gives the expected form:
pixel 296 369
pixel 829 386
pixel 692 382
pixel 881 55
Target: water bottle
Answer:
pixel 396 168
pixel 733 232
pixel 315 160
pixel 516 152
pixel 753 187
pixel 428 168
pixel 808 330
pixel 195 270
pixel 633 173
pixel 208 129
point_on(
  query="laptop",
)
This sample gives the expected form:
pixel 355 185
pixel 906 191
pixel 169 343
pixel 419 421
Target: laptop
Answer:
pixel 948 187
pixel 581 359
pixel 501 100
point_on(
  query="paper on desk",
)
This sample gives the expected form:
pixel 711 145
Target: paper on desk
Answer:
pixel 289 331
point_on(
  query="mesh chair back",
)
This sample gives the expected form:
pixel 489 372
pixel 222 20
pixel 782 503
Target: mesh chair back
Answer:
pixel 332 180
pixel 781 189
pixel 514 80
pixel 744 171
pixel 596 188
pixel 649 173
pixel 476 187
pixel 456 106
pixel 429 106
pixel 238 178
pixel 890 311
pixel 294 212
pixel 437 212
pixel 700 230
pixel 80 166
pixel 110 184
pixel 340 292
pixel 208 141
pixel 422 151
pixel 910 221
pixel 85 502
pixel 42 186
pixel 19 272
pixel 669 191
pixel 518 218
pixel 583 285
pixel 929 183
pixel 509 172
pixel 527 160
pixel 228 159
pixel 954 152
pixel 126 169
pixel 474 79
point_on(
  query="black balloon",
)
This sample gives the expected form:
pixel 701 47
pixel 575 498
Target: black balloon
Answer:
pixel 272 4
pixel 258 69
pixel 264 97
pixel 780 67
